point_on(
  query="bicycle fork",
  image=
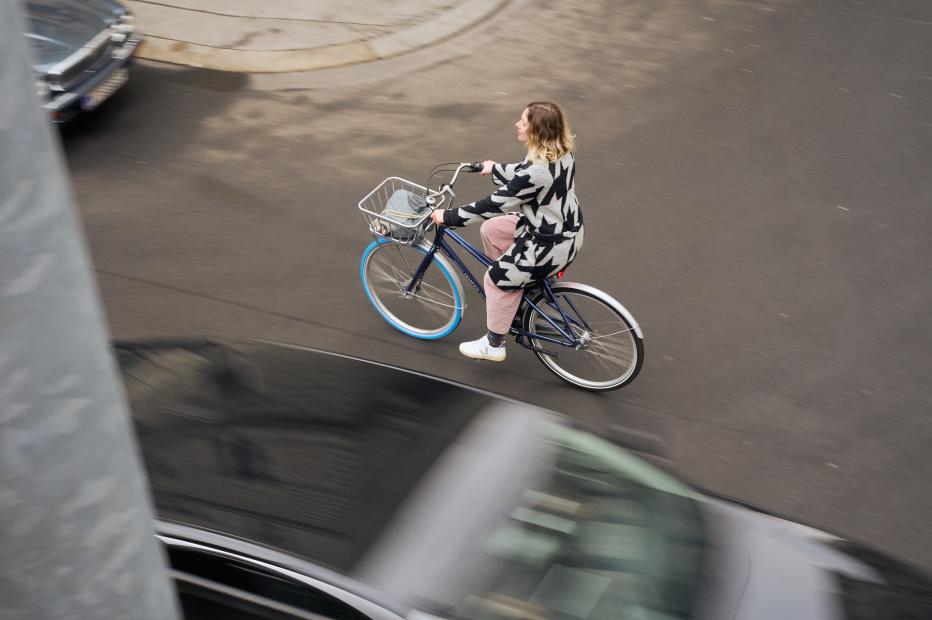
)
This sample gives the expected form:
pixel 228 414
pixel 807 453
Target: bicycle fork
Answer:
pixel 415 284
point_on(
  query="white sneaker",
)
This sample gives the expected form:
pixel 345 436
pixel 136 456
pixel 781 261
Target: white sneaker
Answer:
pixel 482 350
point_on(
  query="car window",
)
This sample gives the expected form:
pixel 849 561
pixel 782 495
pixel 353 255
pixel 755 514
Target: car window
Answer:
pixel 202 599
pixel 602 537
pixel 253 579
pixel 204 603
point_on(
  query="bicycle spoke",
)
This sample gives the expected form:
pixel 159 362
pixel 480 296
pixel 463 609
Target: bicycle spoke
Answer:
pixel 392 273
pixel 606 351
pixel 615 322
pixel 609 345
pixel 427 293
pixel 601 358
pixel 572 315
pixel 557 320
pixel 430 309
pixel 436 308
pixel 605 355
pixel 438 292
pixel 384 280
pixel 404 259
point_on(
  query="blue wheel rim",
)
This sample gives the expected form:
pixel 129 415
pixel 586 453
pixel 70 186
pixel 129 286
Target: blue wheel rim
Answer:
pixel 388 318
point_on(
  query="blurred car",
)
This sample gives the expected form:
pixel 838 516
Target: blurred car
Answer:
pixel 291 483
pixel 81 49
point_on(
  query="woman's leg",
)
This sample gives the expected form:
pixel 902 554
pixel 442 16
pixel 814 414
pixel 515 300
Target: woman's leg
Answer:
pixel 498 234
pixel 500 306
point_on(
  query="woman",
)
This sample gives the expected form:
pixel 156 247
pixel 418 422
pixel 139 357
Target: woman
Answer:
pixel 538 240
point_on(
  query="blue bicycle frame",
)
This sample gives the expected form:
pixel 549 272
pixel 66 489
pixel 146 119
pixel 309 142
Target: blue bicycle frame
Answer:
pixel 568 338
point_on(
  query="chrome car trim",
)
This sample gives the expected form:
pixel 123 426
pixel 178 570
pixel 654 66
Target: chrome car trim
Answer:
pixel 85 51
pixel 127 49
pixel 243 596
pixel 344 588
pixel 62 101
pixel 68 97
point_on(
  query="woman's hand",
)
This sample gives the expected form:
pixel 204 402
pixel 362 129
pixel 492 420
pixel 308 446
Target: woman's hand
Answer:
pixel 487 167
pixel 437 216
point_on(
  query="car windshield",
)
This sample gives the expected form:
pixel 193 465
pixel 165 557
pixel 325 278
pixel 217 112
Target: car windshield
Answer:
pixel 605 536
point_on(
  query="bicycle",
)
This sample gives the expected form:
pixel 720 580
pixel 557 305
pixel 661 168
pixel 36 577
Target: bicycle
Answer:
pixel 602 345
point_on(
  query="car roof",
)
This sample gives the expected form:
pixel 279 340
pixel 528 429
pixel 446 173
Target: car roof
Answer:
pixel 300 450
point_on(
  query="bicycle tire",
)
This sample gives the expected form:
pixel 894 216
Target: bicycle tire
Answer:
pixel 431 312
pixel 620 358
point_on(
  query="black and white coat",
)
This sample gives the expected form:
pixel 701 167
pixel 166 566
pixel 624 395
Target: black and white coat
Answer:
pixel 550 227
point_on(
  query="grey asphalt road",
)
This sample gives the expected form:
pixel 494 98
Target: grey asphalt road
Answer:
pixel 755 180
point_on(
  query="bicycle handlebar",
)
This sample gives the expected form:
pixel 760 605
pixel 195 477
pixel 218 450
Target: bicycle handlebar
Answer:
pixel 468 167
pixel 446 189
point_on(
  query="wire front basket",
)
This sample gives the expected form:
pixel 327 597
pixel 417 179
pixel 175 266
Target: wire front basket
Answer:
pixel 407 224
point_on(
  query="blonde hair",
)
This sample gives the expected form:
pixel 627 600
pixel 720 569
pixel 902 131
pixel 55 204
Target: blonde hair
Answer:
pixel 548 132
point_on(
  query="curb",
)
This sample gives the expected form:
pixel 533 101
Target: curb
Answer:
pixel 422 35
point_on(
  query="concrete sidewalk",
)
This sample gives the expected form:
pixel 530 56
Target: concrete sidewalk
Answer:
pixel 272 36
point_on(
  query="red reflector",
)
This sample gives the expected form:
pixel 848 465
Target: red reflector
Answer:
pixel 560 275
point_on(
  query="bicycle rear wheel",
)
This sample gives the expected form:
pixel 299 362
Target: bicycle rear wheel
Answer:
pixel 432 310
pixel 611 351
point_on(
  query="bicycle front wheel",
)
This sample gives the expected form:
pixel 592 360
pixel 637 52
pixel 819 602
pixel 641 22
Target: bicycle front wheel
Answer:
pixel 610 351
pixel 432 310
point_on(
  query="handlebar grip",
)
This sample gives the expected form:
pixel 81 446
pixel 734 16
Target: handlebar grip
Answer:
pixel 475 167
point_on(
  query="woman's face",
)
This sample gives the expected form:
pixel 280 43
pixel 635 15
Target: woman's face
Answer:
pixel 521 126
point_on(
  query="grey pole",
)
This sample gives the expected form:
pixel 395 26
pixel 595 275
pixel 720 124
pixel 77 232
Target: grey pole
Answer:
pixel 76 537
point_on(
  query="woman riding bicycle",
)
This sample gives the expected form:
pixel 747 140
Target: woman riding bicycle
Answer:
pixel 537 241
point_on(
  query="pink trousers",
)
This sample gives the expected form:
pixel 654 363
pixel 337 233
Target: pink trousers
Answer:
pixel 498 234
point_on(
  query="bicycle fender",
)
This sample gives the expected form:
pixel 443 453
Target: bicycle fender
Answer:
pixel 614 303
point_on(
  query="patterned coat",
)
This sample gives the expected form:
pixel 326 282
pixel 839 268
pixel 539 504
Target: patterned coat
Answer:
pixel 550 228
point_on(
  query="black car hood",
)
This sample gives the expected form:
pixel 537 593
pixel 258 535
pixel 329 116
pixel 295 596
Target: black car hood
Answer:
pixel 323 456
pixel 57 28
pixel 287 447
